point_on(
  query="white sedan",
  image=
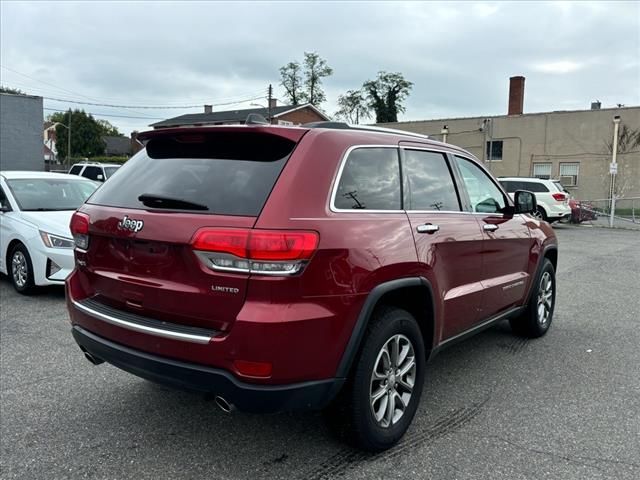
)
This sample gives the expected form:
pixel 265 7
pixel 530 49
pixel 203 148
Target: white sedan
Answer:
pixel 36 246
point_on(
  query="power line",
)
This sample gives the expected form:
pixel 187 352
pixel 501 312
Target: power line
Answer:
pixel 148 107
pixel 106 114
pixel 255 94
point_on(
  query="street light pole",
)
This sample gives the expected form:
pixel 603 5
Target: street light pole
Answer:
pixel 613 169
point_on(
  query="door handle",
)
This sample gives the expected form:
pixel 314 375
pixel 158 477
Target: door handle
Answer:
pixel 427 228
pixel 490 227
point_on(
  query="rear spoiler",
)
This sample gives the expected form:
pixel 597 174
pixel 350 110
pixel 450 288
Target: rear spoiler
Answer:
pixel 290 133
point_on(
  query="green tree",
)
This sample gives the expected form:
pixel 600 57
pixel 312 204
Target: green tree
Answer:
pixel 291 80
pixel 86 134
pixel 315 69
pixel 385 95
pixel 109 129
pixel 353 107
pixel 13 91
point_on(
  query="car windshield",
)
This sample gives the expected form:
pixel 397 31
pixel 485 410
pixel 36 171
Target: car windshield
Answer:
pixel 47 194
pixel 108 171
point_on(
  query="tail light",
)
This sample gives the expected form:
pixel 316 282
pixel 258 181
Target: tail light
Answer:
pixel 80 229
pixel 266 252
pixel 560 197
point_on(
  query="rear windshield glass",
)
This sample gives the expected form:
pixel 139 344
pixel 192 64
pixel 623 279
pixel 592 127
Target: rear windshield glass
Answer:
pixel 221 173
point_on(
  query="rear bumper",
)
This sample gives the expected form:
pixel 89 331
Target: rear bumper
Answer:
pixel 313 395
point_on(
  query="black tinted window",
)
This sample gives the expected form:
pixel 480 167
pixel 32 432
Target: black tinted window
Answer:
pixel 509 186
pixel 92 172
pixel 227 174
pixel 429 184
pixel 75 170
pixel 370 180
pixel 534 187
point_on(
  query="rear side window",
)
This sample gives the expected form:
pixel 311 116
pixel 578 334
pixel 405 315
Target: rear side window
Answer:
pixel 75 170
pixel 534 187
pixel 225 173
pixel 428 182
pixel 92 173
pixel 370 180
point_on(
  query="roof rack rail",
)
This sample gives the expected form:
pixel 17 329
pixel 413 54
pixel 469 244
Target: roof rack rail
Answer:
pixel 348 126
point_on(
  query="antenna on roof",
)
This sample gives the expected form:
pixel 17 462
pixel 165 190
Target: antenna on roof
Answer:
pixel 255 119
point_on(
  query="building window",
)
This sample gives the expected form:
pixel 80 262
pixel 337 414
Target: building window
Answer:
pixel 542 170
pixel 494 150
pixel 569 174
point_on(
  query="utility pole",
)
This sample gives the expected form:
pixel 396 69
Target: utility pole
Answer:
pixel 269 102
pixel 613 168
pixel 69 140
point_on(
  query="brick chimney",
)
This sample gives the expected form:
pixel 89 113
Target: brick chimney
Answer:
pixel 208 109
pixel 516 95
pixel 273 103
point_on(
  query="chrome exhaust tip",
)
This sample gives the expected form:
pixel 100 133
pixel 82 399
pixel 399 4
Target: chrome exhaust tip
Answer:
pixel 224 405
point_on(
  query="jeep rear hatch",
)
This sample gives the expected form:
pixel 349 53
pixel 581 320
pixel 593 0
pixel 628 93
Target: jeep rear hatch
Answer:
pixel 143 254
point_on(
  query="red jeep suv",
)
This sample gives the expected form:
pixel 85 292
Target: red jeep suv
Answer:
pixel 314 267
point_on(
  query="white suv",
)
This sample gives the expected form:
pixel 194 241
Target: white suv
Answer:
pixel 552 198
pixel 96 171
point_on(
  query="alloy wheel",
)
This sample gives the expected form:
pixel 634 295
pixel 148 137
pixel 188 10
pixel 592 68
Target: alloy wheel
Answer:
pixel 392 380
pixel 19 269
pixel 545 298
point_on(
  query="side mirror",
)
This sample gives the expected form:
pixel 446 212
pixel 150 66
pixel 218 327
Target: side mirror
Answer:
pixel 525 202
pixel 100 177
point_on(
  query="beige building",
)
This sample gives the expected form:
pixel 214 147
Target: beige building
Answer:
pixel 573 146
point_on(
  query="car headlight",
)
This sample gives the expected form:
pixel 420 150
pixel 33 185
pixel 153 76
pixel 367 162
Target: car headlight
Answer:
pixel 54 241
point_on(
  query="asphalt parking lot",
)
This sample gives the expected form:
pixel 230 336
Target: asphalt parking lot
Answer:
pixel 566 406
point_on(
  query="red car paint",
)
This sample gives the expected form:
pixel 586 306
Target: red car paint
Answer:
pixel 291 329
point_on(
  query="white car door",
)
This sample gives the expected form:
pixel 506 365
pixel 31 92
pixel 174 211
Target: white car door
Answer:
pixel 5 225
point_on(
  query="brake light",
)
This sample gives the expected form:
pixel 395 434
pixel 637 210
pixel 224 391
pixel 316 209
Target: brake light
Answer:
pixel 273 252
pixel 79 227
pixel 560 197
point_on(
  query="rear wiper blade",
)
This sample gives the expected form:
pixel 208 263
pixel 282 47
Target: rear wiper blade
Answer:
pixel 159 201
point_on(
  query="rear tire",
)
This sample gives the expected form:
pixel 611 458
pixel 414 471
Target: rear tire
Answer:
pixel 541 214
pixel 536 319
pixel 21 270
pixel 381 397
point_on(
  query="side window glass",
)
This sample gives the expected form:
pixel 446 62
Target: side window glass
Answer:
pixel 485 196
pixel 428 182
pixel 92 172
pixel 370 180
pixel 75 170
pixel 4 203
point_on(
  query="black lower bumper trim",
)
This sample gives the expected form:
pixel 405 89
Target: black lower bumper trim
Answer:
pixel 313 395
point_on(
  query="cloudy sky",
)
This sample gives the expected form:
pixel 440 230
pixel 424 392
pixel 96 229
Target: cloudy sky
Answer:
pixel 458 55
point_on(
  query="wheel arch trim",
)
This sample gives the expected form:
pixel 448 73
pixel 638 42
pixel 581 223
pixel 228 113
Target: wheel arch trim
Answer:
pixel 374 296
